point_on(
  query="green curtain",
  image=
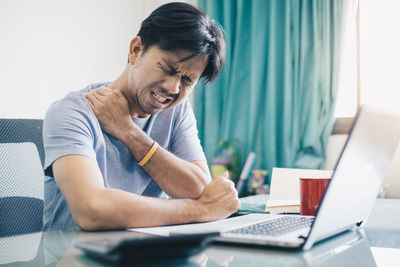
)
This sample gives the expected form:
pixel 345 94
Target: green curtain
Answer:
pixel 276 93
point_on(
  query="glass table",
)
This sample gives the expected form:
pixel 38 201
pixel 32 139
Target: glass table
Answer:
pixel 377 244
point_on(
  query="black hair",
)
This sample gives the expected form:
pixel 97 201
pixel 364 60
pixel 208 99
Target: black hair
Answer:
pixel 180 26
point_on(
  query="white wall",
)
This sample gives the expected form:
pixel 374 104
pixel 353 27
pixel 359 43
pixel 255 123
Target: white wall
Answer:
pixel 51 47
pixel 333 149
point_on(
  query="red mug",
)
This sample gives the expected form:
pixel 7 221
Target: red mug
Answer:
pixel 311 192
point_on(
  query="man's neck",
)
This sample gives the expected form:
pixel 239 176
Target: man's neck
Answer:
pixel 121 84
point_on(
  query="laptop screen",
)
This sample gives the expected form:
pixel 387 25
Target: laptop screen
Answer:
pixel 359 173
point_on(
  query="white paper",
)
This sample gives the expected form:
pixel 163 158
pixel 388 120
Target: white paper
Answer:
pixel 208 227
pixel 215 226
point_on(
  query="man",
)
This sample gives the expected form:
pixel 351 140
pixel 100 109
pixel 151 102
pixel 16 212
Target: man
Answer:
pixel 126 154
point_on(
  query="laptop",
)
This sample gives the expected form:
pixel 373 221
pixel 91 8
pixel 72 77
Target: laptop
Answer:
pixel 346 204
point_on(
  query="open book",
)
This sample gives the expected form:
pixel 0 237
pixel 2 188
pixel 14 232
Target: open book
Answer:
pixel 285 188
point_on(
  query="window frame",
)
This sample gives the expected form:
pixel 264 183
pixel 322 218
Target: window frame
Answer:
pixel 343 125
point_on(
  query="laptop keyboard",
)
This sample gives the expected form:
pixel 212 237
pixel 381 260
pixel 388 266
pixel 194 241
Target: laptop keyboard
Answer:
pixel 276 226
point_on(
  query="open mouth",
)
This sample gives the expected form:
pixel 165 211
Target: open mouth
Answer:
pixel 161 99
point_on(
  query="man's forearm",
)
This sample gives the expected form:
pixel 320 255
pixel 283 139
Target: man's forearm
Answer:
pixel 114 209
pixel 177 177
pixel 93 206
pixel 108 208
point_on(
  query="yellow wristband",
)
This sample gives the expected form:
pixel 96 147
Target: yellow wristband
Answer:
pixel 149 154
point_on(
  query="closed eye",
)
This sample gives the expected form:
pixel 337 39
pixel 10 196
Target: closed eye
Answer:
pixel 172 70
pixel 186 79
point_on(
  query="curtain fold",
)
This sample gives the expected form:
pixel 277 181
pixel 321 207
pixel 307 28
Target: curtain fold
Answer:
pixel 276 93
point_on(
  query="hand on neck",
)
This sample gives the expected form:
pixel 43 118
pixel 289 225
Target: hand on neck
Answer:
pixel 121 84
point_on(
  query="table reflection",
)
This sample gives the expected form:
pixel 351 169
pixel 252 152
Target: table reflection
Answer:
pixel 351 248
pixel 348 249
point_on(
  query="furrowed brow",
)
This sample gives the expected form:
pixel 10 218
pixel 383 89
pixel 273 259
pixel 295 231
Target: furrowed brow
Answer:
pixel 171 66
pixel 174 69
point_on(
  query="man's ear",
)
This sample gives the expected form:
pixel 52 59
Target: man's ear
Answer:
pixel 135 49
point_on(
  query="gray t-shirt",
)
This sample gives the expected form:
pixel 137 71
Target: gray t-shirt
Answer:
pixel 71 127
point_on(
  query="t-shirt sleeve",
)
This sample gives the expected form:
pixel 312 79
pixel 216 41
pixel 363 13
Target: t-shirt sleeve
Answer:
pixel 185 141
pixel 68 129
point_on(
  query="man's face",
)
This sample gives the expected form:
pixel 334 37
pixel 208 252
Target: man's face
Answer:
pixel 159 80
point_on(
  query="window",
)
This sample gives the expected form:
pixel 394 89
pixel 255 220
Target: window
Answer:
pixel 380 53
pixel 369 72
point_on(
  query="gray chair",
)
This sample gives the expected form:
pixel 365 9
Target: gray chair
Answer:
pixel 21 176
pixel 21 131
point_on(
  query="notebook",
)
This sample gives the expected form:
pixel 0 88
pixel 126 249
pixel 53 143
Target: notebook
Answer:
pixel 348 199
